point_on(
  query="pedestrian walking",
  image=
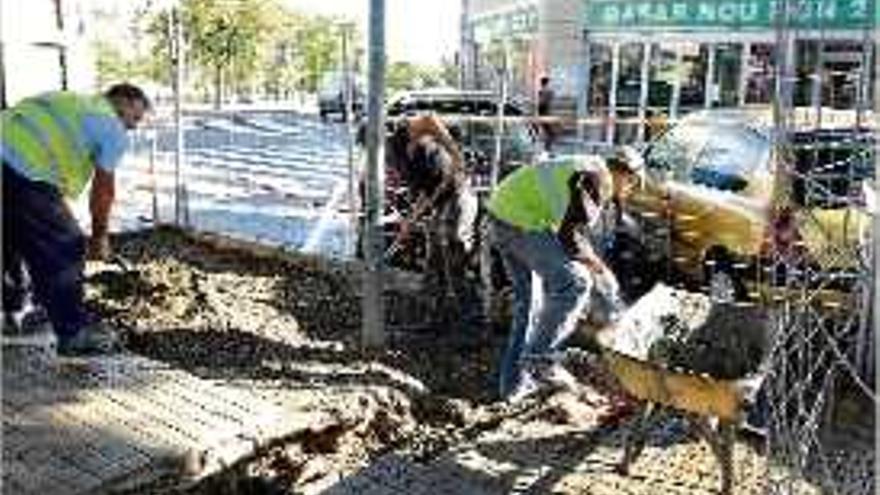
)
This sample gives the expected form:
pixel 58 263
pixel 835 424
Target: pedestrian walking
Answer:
pixel 52 146
pixel 545 107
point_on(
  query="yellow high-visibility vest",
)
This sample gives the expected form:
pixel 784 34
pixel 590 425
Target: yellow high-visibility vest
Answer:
pixel 46 131
pixel 533 198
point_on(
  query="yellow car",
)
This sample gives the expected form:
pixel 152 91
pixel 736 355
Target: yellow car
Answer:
pixel 707 210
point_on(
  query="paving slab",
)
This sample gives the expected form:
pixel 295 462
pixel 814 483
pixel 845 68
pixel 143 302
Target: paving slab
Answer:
pixel 75 426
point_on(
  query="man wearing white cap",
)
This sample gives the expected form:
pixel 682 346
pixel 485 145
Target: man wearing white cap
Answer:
pixel 541 219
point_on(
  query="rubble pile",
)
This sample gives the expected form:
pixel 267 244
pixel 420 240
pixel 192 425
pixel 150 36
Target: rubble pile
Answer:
pixel 687 331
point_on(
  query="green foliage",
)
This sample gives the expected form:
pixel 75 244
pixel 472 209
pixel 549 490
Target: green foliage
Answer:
pixel 303 48
pixel 222 40
pixel 244 43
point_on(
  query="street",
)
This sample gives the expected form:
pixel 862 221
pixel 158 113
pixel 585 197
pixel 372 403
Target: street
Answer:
pixel 273 176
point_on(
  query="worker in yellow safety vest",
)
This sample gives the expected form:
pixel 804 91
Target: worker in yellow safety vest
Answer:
pixel 540 219
pixel 51 146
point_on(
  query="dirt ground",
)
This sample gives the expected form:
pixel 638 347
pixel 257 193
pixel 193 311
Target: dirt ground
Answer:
pixel 420 417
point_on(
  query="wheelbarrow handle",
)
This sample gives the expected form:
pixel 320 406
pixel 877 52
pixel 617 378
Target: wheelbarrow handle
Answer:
pixel 121 262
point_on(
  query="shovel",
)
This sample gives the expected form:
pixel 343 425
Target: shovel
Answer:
pixel 122 263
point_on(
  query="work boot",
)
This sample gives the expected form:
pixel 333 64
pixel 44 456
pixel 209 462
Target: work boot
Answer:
pixel 30 321
pixel 92 339
pixel 557 378
pixel 527 388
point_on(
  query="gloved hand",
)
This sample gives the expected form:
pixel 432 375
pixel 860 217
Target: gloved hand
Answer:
pixel 606 283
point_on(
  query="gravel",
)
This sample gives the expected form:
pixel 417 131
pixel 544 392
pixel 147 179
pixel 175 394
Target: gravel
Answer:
pixel 419 417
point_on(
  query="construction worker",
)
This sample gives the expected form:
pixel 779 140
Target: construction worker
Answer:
pixel 431 165
pixel 619 237
pixel 540 220
pixel 52 145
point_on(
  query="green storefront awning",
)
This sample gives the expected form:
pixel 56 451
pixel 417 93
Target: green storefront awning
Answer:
pixel 700 15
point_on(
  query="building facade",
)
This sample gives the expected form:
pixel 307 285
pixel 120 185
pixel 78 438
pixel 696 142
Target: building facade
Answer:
pixel 43 47
pixel 618 59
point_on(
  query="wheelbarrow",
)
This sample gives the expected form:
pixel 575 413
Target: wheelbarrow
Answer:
pixel 678 350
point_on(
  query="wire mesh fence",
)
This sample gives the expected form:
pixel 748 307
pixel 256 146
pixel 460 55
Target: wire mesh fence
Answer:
pixel 272 175
pixel 820 367
pixel 811 84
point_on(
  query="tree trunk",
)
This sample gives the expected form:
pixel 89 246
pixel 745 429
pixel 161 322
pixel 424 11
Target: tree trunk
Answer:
pixel 218 87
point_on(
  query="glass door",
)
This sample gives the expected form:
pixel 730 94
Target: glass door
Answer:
pixel 726 77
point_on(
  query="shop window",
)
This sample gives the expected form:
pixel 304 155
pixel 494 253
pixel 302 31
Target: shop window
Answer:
pixel 661 78
pixel 629 83
pixel 728 64
pixel 600 78
pixel 760 74
pixel 842 74
pixel 693 84
pixel 661 81
pixel 806 60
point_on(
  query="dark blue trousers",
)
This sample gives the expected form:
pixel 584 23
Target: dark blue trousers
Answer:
pixel 42 245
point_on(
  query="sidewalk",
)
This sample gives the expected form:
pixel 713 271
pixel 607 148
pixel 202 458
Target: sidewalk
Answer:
pixel 77 426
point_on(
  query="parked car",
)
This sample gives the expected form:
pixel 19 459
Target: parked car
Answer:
pixel 707 205
pixel 331 96
pixel 451 101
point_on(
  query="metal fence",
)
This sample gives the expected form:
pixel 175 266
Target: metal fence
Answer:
pixel 272 175
pixel 621 80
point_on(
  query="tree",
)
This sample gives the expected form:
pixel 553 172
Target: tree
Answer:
pixel 242 43
pixel 110 64
pixel 222 38
pixel 319 42
pixel 225 35
pixel 114 63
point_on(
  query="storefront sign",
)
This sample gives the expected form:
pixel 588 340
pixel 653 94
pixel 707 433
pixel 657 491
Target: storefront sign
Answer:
pixel 624 15
pixel 519 22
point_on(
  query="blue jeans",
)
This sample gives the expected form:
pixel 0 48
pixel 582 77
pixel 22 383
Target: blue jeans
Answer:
pixel 538 328
pixel 41 235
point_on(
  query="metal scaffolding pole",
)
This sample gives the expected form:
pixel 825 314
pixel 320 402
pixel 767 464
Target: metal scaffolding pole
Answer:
pixel 612 96
pixel 485 248
pixel 644 75
pixel 181 213
pixel 872 33
pixel 709 80
pixel 465 46
pixel 742 84
pixel 816 86
pixel 349 132
pixel 583 91
pixel 373 329
pixel 675 100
